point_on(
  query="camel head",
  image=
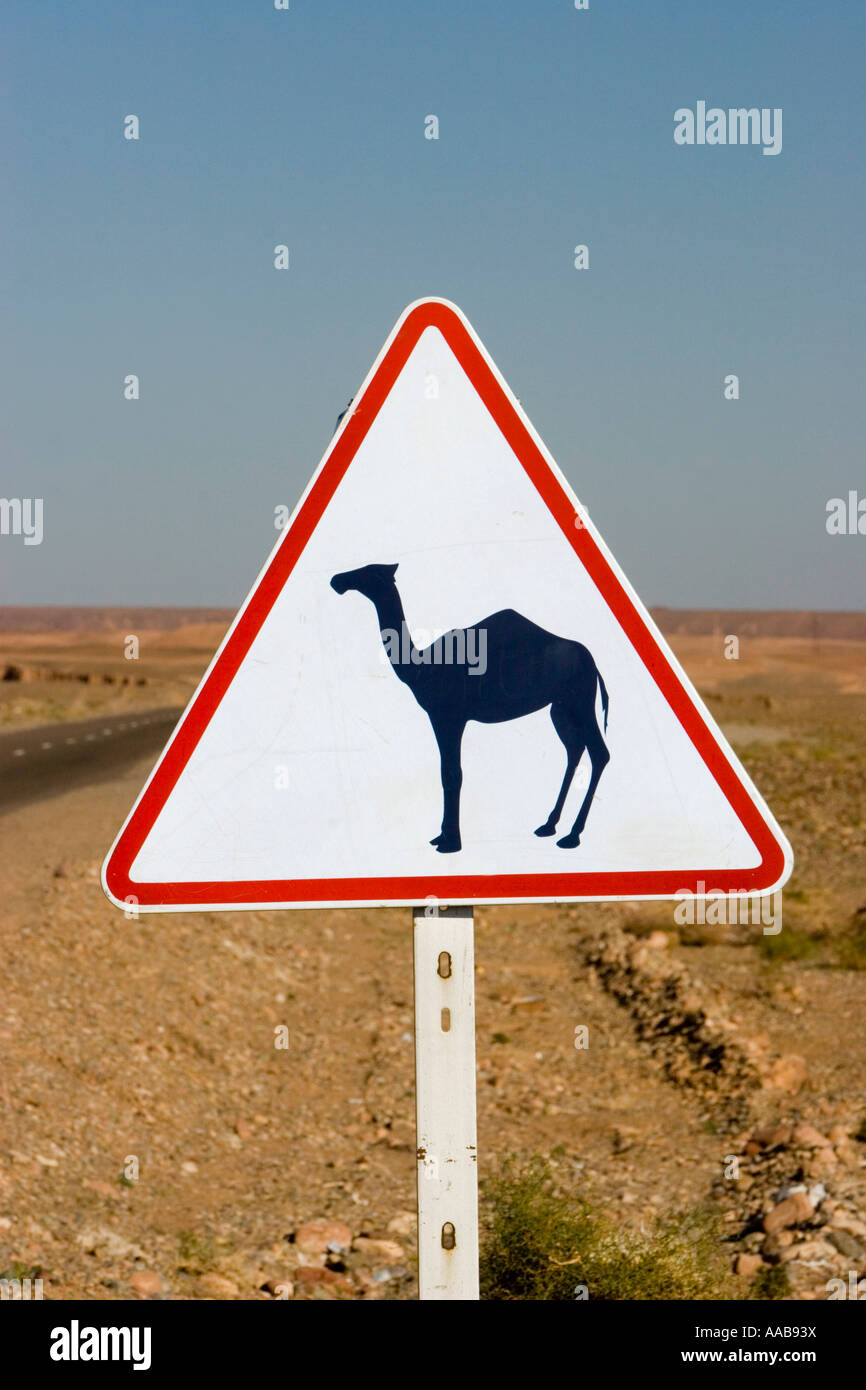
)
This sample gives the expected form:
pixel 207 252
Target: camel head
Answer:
pixel 369 580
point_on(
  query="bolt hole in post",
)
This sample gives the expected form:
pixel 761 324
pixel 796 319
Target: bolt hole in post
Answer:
pixel 445 1104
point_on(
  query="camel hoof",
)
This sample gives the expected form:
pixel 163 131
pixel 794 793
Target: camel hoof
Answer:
pixel 569 842
pixel 546 829
pixel 444 846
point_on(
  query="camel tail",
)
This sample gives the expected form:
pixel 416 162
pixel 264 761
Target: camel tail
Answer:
pixel 604 696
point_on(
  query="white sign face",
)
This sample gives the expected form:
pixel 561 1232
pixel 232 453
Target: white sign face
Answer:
pixel 442 685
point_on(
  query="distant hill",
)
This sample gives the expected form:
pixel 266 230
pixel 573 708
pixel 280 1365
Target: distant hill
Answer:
pixel 756 622
pixel 71 619
pixel 745 622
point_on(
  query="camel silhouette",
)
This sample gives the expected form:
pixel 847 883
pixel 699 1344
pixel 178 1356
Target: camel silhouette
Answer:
pixel 525 669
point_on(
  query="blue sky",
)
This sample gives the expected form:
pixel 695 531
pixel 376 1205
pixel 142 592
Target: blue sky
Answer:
pixel 307 127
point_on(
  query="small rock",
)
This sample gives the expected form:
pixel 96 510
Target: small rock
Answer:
pixel 846 1244
pixel 773 1137
pixel 788 1212
pixel 317 1274
pixel 105 1189
pixel 369 1287
pixel 387 1249
pixel 217 1286
pixel 107 1245
pixel 146 1283
pixel 384 1276
pixel 844 1221
pixel 788 1190
pixel 748 1265
pixel 318 1237
pixel 786 1074
pixel 821 1163
pixel 774 1244
pixel 809 1137
pixel 658 939
pixel 403 1224
pixel 802 1276
pixel 847 1153
pixel 189 1167
pixel 808 1250
pixel 279 1288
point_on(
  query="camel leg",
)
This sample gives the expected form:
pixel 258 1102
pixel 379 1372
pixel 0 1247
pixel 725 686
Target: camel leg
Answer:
pixel 449 738
pixel 599 758
pixel 574 747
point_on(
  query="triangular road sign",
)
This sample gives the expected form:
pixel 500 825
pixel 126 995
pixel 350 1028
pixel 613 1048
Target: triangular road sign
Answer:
pixel 319 762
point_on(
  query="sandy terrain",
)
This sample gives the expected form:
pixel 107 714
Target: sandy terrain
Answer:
pixel 154 1040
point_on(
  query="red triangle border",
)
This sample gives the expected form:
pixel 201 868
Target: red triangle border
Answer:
pixel 453 888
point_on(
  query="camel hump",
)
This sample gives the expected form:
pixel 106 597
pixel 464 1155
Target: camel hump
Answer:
pixel 510 630
pixel 509 620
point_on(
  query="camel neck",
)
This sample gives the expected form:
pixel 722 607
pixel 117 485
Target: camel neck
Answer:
pixel 395 634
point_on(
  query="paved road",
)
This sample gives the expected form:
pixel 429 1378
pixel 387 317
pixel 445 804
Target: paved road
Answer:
pixel 42 762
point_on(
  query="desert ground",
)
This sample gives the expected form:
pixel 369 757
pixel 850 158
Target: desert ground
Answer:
pixel 155 1144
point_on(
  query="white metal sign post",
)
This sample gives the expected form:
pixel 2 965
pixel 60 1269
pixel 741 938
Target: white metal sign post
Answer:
pixel 445 1103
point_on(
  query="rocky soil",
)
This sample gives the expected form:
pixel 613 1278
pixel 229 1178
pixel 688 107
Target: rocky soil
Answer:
pixel 155 1143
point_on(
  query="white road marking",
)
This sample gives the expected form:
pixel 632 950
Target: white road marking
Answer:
pixel 89 738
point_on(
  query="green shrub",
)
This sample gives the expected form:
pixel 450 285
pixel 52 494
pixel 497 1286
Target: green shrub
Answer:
pixel 196 1251
pixel 541 1242
pixel 791 943
pixel 852 946
pixel 770 1282
pixel 19 1270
